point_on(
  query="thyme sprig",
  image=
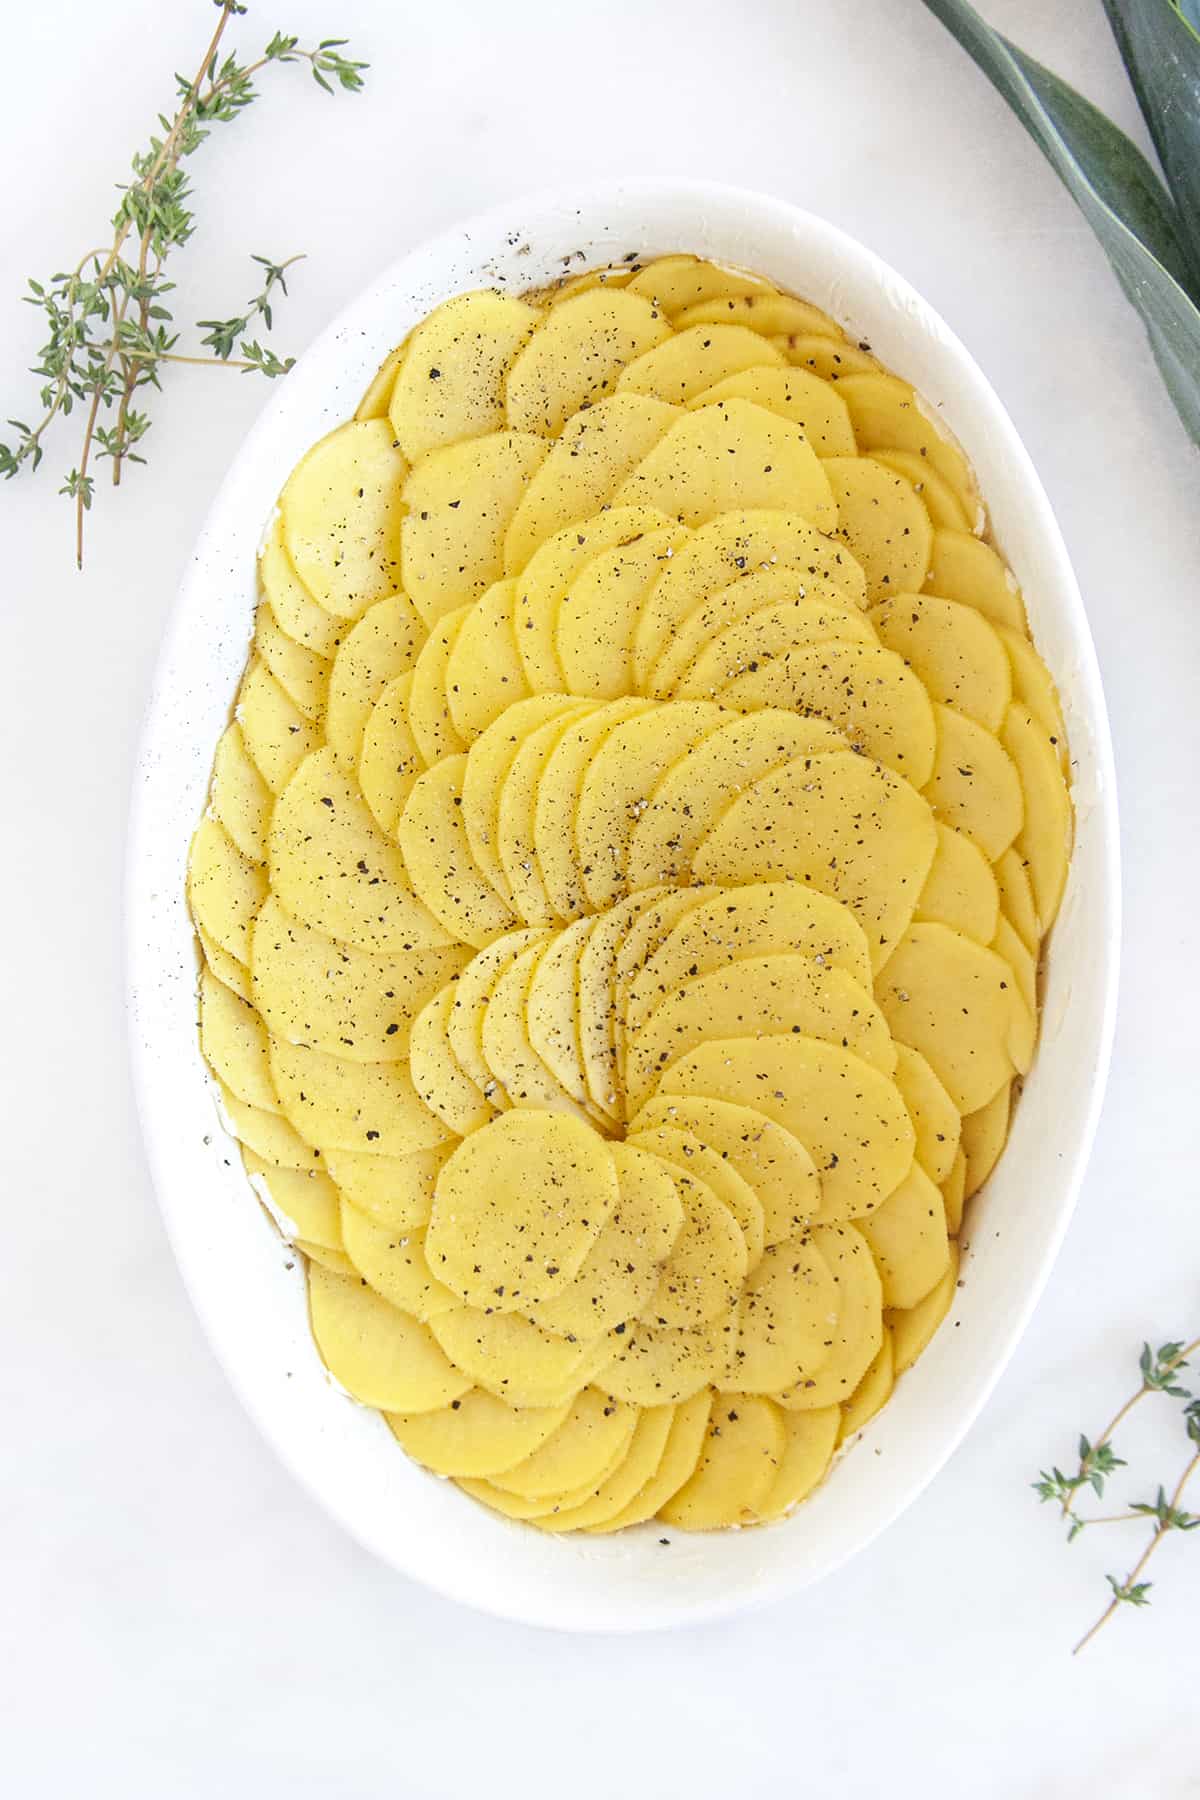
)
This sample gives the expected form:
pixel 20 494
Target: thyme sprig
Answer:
pixel 1097 1460
pixel 110 326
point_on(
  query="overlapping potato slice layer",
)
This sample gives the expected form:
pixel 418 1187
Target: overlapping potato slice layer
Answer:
pixel 622 891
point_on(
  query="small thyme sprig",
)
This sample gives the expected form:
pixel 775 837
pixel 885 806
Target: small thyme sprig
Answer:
pixel 1160 1372
pixel 109 323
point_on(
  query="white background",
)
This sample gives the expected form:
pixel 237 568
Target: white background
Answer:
pixel 176 1618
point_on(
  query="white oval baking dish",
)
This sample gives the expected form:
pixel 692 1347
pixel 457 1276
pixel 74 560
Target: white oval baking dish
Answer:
pixel 250 1294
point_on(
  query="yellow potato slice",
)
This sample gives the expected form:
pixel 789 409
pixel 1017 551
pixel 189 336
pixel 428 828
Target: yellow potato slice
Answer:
pixel 518 1361
pixel 396 1191
pixel 1007 943
pixel 857 1332
pixel 544 584
pixel 583 469
pixel 723 610
pixel 782 993
pixel 598 1006
pixel 1033 688
pixel 524 1078
pixel 889 415
pixel 771 632
pixel 649 930
pixel 654 1364
pixel 934 1115
pixel 597 618
pixel 678 1459
pixel 707 1265
pixel 962 567
pixel 577 354
pixel 943 505
pixel 913 1329
pixel 429 717
pixel 596 1431
pixel 488 762
pixel 863 689
pixel 303 676
pixel 451 385
pixel 771 315
pixel 846 1113
pixel 830 358
pixel 960 889
pixel 437 854
pixel 332 867
pixel 975 785
pixel 908 1240
pixel 743 1452
pixel 954 1193
pixel 841 823
pixel 277 734
pixel 551 1009
pixel 516 811
pixel 484 673
pixel 617 784
pixel 225 889
pixel 559 866
pixel 692 795
pixel 620 1273
pixel 729 456
pixel 676 282
pixel 872 1392
pixel 1044 840
pixel 952 1000
pixel 883 520
pixel 225 967
pixel 796 394
pixel 476 1436
pixel 810 1439
pixel 343 1105
pixel 394 1264
pixel 235 1044
pixel 306 1199
pixel 618 1490
pixel 517 1208
pixel 689 1156
pixel 765 919
pixel 721 553
pixel 335 997
pixel 437 1074
pixel 240 798
pixel 694 358
pixel 955 651
pixel 382 645
pixel 336 1261
pixel 773 1163
pixel 459 503
pixel 984 1134
pixel 783 1319
pixel 374 403
pixel 472 996
pixel 341 517
pixel 381 1356
pixel 268 1135
pixel 1016 899
pixel 295 610
pixel 390 760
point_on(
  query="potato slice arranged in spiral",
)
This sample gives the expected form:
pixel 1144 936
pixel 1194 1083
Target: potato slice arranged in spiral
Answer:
pixel 623 890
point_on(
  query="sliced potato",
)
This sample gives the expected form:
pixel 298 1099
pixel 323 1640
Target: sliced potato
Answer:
pixel 943 505
pixel 872 1392
pixel 429 717
pixel 476 1435
pixel 303 676
pixel 295 610
pixel 488 763
pixel 707 1265
pixel 390 760
pixel 432 835
pixel 576 356
pixel 743 1452
pixel 1044 842
pixel 962 567
pixel 935 1117
pixel 769 633
pixel 680 1455
pixel 960 889
pixel 396 1191
pixel 559 864
pixel 729 456
pixel 439 1077
pixel 840 823
pixel 451 385
pixel 983 1138
pixel 381 1356
pixel 975 785
pixel 956 652
pixel 1016 899
pixel 341 516
pixel 268 1135
pixel 234 1043
pixel 796 394
pixel 394 1264
pixel 888 415
pixel 954 1193
pixel 472 996
pixel 829 357
pixel 771 315
pixel 629 1478
pixel 673 283
pixel 908 1239
pixel 913 1328
pixel 783 1319
pixel 688 1155
pixel 772 1161
pixel 653 1364
pixel 225 967
pixel 1034 689
pixel 517 1208
pixel 276 733
pixel 518 1361
pixel 694 358
pixel 239 797
pixel 305 1200
pixel 597 618
pixel 883 520
pixel 595 1433
pixel 225 889
pixel 382 645
pixel 524 1079
pixel 484 673
pixel 374 403
pixel 722 611
pixel 857 1332
pixel 458 505
pixel 343 1105
pixel 810 1439
pixel 952 1000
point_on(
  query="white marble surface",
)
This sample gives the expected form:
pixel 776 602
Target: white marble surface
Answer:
pixel 177 1619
